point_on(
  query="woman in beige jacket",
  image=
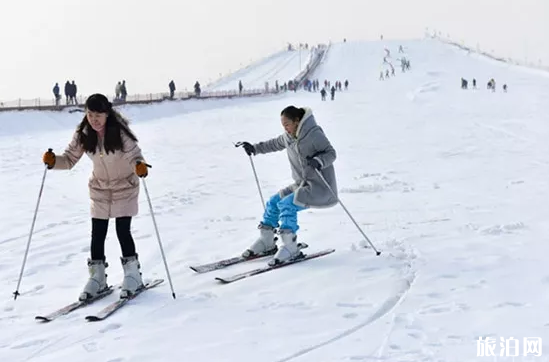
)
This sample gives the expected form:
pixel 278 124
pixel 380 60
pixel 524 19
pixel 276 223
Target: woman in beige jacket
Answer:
pixel 104 135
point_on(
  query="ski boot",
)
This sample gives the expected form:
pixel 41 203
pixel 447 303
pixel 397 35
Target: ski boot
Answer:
pixel 132 276
pixel 264 244
pixel 97 283
pixel 290 249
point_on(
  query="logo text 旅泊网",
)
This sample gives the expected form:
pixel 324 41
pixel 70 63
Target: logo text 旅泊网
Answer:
pixel 509 347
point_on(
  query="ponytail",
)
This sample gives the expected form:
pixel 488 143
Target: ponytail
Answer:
pixel 293 113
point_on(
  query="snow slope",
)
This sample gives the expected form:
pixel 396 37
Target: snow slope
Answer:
pixel 449 184
pixel 281 66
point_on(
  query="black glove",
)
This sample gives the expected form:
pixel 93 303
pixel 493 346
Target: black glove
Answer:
pixel 314 163
pixel 248 147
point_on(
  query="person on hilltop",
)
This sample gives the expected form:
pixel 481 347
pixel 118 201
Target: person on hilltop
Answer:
pixel 105 137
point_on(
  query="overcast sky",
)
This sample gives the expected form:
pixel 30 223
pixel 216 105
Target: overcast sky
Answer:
pixel 148 43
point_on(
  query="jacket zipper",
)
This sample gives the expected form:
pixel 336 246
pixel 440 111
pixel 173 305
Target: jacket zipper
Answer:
pixel 303 173
pixel 101 153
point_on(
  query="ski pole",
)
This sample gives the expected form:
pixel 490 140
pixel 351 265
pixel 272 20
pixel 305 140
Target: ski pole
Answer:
pixel 158 235
pixel 347 211
pixel 257 182
pixel 16 293
pixel 238 144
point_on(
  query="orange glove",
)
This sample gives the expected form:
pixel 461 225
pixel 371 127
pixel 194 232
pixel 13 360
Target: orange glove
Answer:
pixel 141 169
pixel 49 158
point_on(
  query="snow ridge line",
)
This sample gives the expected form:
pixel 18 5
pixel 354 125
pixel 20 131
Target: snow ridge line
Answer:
pixel 404 286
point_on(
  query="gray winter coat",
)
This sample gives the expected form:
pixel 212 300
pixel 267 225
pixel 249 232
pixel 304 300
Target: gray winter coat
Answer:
pixel 310 141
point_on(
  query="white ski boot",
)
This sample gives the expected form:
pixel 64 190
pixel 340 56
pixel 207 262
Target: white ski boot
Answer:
pixel 289 250
pixel 132 276
pixel 97 282
pixel 265 243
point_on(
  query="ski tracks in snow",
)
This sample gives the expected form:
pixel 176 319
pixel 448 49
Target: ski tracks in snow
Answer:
pixel 407 277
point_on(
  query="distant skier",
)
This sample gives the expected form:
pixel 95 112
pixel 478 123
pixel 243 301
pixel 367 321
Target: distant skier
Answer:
pixel 68 92
pixel 491 85
pixel 104 135
pixel 56 93
pixel 123 91
pixel 117 90
pixel 171 85
pixel 333 92
pixel 403 64
pixel 323 94
pixel 346 84
pixel 74 91
pixel 309 151
pixel 474 83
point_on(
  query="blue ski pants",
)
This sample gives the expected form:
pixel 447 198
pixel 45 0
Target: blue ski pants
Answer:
pixel 283 210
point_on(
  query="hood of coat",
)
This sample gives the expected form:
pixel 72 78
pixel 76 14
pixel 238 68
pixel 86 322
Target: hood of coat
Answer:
pixel 307 123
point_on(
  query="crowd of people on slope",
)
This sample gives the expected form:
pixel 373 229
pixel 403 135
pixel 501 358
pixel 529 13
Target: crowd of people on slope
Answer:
pixel 120 92
pixel 491 85
pixel 70 93
pixel 307 85
pixel 337 86
pixel 388 69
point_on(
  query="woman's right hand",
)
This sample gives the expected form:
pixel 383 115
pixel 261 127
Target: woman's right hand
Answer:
pixel 49 158
pixel 248 147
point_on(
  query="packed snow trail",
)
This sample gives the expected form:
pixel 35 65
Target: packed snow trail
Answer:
pixel 281 67
pixel 446 182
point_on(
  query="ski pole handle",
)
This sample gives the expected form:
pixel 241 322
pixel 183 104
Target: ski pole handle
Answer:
pixel 239 144
pixel 146 164
pixel 46 165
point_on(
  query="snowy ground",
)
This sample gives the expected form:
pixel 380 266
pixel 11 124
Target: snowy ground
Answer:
pixel 449 184
pixel 282 67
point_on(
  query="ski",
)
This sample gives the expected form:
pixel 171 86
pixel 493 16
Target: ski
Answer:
pixel 73 306
pixel 268 268
pixel 220 264
pixel 114 306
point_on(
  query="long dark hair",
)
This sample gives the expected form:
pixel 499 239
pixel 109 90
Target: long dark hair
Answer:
pixel 293 113
pixel 116 124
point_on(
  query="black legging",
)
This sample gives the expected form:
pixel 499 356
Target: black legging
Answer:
pixel 99 234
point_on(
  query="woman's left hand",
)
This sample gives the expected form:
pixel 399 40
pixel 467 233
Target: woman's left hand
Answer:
pixel 314 163
pixel 141 169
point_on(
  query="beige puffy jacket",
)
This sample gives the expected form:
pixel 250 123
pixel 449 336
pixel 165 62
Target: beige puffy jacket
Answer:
pixel 113 184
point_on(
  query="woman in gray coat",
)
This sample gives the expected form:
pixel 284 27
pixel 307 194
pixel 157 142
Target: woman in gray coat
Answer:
pixel 309 151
